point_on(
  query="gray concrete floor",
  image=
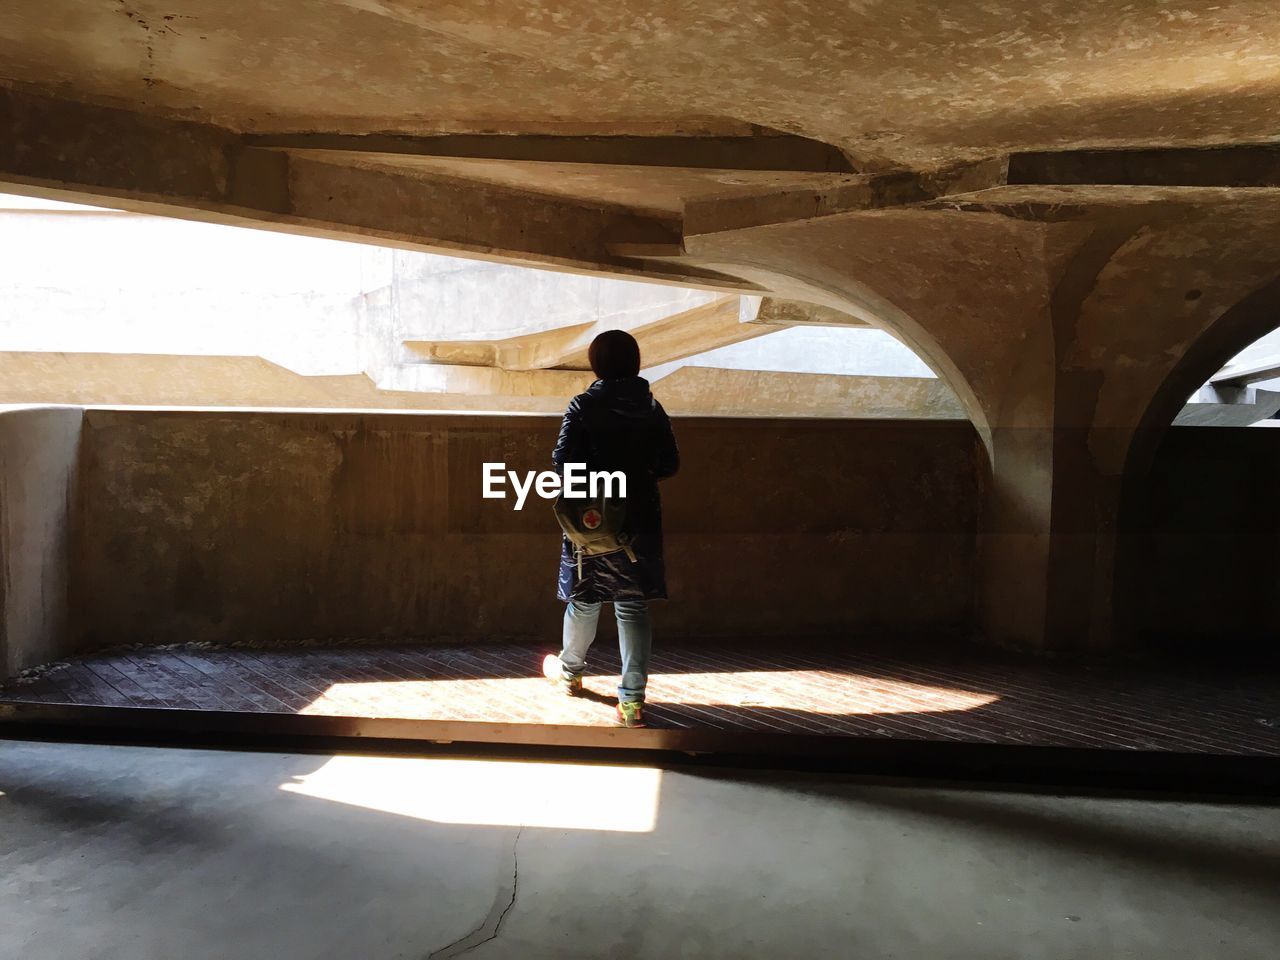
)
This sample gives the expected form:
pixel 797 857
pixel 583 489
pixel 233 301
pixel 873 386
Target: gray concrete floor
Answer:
pixel 139 853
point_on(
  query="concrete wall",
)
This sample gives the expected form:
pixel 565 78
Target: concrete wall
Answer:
pixel 38 456
pixel 251 526
pixel 194 525
pixel 1202 552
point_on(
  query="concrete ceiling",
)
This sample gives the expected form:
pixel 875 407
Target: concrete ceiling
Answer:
pixel 891 83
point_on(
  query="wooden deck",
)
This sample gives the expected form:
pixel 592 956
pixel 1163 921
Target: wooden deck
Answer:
pixel 793 688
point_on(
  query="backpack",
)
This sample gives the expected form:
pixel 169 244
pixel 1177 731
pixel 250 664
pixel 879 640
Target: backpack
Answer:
pixel 595 525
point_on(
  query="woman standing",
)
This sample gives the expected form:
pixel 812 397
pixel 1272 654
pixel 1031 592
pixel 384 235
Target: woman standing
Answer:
pixel 616 425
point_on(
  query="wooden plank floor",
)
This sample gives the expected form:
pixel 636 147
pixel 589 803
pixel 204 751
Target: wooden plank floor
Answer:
pixel 791 688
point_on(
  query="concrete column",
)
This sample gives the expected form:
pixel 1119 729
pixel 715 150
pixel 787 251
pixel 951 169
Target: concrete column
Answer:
pixel 1047 543
pixel 1142 313
pixel 39 454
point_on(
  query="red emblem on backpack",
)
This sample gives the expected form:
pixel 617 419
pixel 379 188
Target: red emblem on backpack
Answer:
pixel 591 518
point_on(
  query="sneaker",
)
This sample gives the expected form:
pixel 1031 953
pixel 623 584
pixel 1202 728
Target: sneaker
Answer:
pixel 553 670
pixel 631 713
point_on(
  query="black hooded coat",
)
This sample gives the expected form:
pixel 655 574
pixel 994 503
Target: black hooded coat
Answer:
pixel 618 425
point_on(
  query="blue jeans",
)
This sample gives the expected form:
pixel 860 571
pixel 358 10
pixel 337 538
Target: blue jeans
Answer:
pixel 635 638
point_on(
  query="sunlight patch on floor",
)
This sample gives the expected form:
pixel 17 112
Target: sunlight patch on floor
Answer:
pixel 491 699
pixel 499 699
pixel 795 690
pixel 491 793
pixel 444 691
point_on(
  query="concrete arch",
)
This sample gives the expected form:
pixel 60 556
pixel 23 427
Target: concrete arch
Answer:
pixel 1160 297
pixel 1252 317
pixel 961 289
pixel 970 292
pixel 1178 287
pixel 864 303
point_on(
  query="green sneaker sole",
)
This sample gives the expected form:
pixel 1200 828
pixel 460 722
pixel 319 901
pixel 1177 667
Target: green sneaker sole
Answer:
pixel 630 715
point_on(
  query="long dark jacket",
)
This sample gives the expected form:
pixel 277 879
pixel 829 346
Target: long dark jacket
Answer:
pixel 618 425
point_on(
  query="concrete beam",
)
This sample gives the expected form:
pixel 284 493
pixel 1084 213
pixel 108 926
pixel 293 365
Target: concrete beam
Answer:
pixel 460 216
pixel 118 158
pixel 852 195
pixel 1215 406
pixel 530 351
pixel 705 216
pixel 768 152
pixel 105 152
pixel 1234 166
pixel 778 312
pixel 1268 369
pixel 705 327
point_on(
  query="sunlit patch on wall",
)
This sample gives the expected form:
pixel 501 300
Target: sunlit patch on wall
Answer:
pixel 492 793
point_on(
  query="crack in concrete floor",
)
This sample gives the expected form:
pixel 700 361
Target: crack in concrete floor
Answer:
pixel 490 927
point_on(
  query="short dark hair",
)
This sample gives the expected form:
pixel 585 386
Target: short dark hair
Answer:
pixel 614 354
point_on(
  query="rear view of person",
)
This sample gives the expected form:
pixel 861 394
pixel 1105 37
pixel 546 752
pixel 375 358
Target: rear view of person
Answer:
pixel 616 425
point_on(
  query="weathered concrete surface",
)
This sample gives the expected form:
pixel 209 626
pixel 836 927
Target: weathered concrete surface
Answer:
pixel 127 853
pixel 39 450
pixel 252 526
pixel 1006 75
pixel 168 526
pixel 712 391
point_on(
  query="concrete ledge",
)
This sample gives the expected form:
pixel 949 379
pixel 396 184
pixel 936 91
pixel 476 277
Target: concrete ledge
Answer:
pixel 1060 768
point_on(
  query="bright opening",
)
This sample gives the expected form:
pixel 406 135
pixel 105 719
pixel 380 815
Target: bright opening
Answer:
pixel 1244 393
pixel 153 311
